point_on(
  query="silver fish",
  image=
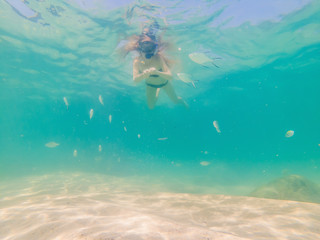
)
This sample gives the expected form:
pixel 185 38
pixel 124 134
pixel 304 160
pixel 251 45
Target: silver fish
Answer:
pixel 216 125
pixel 289 134
pixel 52 144
pixel 91 113
pixel 202 59
pixel 186 78
pixel 162 139
pixel 205 163
pixel 66 102
pixel 101 99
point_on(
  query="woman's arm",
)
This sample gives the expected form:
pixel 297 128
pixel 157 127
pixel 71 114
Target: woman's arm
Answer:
pixel 136 76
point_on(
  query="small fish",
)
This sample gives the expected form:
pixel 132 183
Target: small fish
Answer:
pixel 290 133
pixel 91 113
pixel 216 125
pixel 204 163
pixel 202 59
pixel 66 102
pixel 100 148
pixel 52 144
pixel 101 99
pixel 75 153
pixel 186 78
pixel 162 139
pixel 139 135
pixel 125 129
pixel 110 118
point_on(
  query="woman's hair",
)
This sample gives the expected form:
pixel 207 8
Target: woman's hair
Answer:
pixel 133 44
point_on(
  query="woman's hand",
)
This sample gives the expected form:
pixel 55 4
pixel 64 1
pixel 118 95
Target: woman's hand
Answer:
pixel 149 72
pixel 145 74
pixel 153 71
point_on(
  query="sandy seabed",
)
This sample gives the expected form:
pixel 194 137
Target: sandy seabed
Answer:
pixel 79 206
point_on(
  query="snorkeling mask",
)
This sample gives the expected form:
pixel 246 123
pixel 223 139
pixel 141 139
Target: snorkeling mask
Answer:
pixel 148 47
pixel 148 44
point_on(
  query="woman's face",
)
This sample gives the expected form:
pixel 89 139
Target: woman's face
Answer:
pixel 147 46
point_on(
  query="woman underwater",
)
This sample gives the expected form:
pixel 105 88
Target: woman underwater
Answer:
pixel 152 67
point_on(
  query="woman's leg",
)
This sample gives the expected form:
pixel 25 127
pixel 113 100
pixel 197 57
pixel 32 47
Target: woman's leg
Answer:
pixel 152 96
pixel 173 96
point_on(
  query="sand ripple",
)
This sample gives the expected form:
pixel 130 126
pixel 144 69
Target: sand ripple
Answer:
pixel 96 207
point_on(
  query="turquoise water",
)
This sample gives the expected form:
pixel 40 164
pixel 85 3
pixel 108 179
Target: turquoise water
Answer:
pixel 267 84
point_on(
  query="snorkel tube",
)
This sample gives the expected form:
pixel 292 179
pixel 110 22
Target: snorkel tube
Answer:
pixel 149 55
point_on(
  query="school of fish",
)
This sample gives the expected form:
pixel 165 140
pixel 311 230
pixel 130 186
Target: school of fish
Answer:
pixel 197 57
